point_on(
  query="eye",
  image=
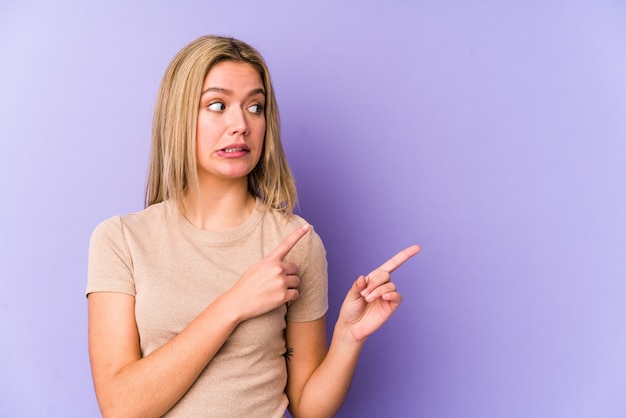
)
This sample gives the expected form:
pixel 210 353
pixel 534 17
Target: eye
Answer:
pixel 216 106
pixel 256 108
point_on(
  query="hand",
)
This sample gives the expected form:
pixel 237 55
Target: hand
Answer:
pixel 269 283
pixel 373 298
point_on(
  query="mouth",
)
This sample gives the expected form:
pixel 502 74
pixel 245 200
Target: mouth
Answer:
pixel 234 149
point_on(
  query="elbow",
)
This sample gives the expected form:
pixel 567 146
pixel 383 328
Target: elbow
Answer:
pixel 120 411
pixel 298 412
pixel 112 406
pixel 112 409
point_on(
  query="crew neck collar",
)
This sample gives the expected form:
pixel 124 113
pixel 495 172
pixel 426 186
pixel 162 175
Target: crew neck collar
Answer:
pixel 226 236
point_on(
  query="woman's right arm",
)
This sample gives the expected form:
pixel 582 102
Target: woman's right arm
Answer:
pixel 128 385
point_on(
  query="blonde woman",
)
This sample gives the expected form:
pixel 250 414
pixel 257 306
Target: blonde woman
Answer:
pixel 211 302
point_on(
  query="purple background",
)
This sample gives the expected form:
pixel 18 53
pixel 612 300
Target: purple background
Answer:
pixel 491 133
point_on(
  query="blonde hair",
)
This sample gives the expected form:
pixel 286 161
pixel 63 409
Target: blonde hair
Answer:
pixel 172 166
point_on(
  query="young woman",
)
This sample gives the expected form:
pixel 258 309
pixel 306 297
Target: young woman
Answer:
pixel 211 302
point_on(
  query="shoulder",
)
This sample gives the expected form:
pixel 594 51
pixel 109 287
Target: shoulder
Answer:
pixel 277 226
pixel 116 230
pixel 109 229
pixel 280 222
pixel 153 214
pixel 137 220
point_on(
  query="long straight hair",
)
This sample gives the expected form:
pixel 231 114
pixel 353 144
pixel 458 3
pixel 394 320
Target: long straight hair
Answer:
pixel 173 165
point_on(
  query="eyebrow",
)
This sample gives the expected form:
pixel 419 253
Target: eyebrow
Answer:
pixel 229 92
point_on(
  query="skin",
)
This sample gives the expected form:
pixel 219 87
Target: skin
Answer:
pixel 230 116
pixel 127 385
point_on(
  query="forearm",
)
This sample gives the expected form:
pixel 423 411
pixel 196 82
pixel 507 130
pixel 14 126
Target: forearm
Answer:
pixel 319 390
pixel 151 385
pixel 327 388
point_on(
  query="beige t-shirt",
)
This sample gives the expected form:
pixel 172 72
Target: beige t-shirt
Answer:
pixel 175 270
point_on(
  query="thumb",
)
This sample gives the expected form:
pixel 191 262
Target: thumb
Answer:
pixel 354 293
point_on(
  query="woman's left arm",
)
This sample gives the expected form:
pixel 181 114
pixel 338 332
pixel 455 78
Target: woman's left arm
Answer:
pixel 318 381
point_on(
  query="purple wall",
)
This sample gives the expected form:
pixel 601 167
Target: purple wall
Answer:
pixel 493 135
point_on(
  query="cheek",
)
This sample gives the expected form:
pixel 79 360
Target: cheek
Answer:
pixel 261 141
pixel 261 131
pixel 207 134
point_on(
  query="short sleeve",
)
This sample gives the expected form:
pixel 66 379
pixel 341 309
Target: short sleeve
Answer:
pixel 312 302
pixel 110 266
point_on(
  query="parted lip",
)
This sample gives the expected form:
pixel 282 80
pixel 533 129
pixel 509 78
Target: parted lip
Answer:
pixel 237 146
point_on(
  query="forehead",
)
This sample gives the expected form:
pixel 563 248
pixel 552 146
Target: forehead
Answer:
pixel 231 74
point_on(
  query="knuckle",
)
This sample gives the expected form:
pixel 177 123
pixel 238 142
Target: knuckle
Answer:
pixel 276 269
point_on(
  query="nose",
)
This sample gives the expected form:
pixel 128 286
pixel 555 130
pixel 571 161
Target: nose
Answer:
pixel 237 123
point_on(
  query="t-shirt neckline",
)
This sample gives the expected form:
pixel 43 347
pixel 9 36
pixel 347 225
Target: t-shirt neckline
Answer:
pixel 226 236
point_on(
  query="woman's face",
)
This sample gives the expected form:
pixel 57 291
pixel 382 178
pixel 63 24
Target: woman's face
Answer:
pixel 231 122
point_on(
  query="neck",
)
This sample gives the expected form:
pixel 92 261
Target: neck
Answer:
pixel 218 208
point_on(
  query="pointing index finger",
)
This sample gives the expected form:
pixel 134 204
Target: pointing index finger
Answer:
pixel 288 243
pixel 399 259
